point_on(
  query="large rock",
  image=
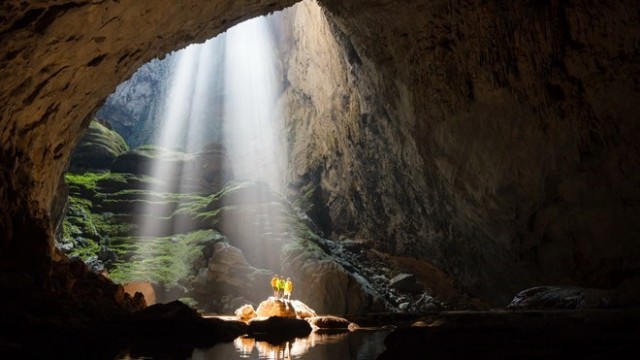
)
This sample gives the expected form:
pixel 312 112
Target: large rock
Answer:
pixel 143 287
pixel 276 307
pixel 303 311
pixel 228 272
pixel 324 284
pixel 97 148
pixel 245 312
pixel 331 322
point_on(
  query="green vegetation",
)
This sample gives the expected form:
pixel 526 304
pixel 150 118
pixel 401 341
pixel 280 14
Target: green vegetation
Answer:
pixel 97 148
pixel 162 260
pixel 103 211
pixel 105 208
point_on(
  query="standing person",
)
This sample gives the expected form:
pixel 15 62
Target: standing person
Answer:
pixel 288 288
pixel 274 284
pixel 281 287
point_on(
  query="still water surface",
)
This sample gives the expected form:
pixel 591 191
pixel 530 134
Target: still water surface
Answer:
pixel 356 345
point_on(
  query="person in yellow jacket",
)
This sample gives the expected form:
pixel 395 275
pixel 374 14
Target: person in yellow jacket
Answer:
pixel 274 284
pixel 281 284
pixel 288 288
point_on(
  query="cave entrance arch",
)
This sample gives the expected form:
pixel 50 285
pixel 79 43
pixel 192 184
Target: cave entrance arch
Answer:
pixel 145 226
pixel 52 50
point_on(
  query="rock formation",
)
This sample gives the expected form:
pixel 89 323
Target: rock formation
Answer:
pixel 276 307
pixel 496 140
pixel 97 149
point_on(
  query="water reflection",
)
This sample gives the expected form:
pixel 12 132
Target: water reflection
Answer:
pixel 358 345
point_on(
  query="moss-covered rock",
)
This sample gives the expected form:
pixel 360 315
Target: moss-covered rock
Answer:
pixel 205 171
pixel 218 248
pixel 97 149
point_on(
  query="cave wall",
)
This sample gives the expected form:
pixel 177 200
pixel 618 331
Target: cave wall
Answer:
pixel 496 139
pixel 525 117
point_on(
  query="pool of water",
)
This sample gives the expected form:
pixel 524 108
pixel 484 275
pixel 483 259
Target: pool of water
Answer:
pixel 356 345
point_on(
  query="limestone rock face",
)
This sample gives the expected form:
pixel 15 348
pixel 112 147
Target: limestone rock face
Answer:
pixel 276 307
pixel 495 141
pixel 131 109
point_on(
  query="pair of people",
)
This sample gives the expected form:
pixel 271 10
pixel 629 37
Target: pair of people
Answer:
pixel 281 288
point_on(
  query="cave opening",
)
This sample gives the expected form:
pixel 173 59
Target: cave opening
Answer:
pixel 182 166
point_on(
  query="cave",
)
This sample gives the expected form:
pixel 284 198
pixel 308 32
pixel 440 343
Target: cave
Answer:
pixel 483 151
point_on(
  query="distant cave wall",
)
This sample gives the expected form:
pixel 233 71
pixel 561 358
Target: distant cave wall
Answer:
pixel 59 60
pixel 525 119
pixel 348 127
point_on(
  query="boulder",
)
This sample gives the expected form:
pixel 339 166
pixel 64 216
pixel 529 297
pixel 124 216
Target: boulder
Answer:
pixel 97 149
pixel 143 287
pixel 229 272
pixel 276 307
pixel 331 322
pixel 405 283
pixel 245 313
pixel 302 310
pixel 324 283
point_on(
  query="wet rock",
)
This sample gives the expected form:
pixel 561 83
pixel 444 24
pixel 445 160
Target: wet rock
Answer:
pixel 405 283
pixel 276 307
pixel 330 322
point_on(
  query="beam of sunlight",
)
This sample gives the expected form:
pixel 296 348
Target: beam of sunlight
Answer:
pixel 251 113
pixel 224 92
